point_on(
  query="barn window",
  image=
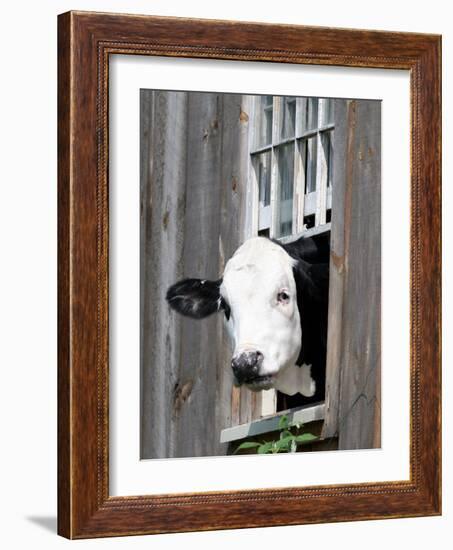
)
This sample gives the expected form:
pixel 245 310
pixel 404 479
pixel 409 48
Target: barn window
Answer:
pixel 292 185
pixel 290 180
pixel 291 157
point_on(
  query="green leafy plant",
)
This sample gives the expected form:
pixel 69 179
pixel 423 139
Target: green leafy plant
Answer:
pixel 287 442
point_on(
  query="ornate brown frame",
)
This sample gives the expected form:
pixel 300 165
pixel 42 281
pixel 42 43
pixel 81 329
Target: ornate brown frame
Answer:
pixel 85 41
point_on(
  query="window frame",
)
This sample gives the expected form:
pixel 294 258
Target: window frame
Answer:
pixel 321 201
pixel 316 203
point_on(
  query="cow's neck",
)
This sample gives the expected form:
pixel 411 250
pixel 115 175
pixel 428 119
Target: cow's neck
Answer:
pixel 296 379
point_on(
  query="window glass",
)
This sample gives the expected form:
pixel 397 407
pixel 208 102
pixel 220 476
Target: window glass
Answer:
pixel 288 122
pixel 330 163
pixel 327 114
pixel 310 116
pixel 310 164
pixel 327 145
pixel 279 175
pixel 262 166
pixel 285 156
pixel 265 110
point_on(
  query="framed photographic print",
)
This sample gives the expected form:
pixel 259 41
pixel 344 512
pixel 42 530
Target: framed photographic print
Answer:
pixel 249 275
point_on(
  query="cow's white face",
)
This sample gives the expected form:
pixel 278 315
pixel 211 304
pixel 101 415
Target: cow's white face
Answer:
pixel 259 289
pixel 258 296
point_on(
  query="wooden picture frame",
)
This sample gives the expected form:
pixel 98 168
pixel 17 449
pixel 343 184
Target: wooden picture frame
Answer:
pixel 85 508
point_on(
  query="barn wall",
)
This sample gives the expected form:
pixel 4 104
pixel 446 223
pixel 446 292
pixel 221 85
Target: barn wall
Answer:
pixel 354 341
pixel 163 190
pixel 193 194
pixel 193 179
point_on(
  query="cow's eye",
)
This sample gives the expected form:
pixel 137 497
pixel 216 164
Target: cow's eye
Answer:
pixel 283 297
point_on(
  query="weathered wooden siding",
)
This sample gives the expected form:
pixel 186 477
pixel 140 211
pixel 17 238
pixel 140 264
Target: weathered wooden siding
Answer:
pixel 194 168
pixel 354 360
pixel 163 131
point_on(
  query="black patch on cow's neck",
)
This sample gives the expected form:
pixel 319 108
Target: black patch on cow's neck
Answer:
pixel 312 284
pixel 314 250
pixel 311 274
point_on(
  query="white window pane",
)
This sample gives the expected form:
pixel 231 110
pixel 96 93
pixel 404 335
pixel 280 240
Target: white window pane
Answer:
pixel 310 165
pixel 310 116
pixel 288 121
pixel 310 207
pixel 327 146
pixel 264 121
pixel 262 166
pixel 285 156
pixel 331 174
pixel 327 114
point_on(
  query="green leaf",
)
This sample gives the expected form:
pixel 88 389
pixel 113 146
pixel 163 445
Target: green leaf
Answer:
pixel 305 438
pixel 285 440
pixel 265 448
pixel 285 443
pixel 283 422
pixel 247 445
pixel 285 433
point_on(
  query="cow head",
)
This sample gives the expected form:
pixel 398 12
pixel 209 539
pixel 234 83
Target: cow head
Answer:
pixel 260 295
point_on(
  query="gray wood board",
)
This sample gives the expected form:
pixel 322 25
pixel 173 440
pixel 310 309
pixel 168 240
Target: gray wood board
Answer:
pixel 164 128
pixel 193 186
pixel 354 357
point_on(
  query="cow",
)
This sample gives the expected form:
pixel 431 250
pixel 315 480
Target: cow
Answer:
pixel 274 299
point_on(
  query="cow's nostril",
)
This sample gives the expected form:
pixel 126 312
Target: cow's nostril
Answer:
pixel 246 365
pixel 240 372
pixel 235 366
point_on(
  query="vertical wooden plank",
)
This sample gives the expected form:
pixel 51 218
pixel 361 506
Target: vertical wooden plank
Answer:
pixel 235 406
pixel 194 408
pixel 299 171
pixel 336 273
pixel 250 109
pixel 163 170
pixel 353 389
pixel 267 400
pixel 146 112
pixel 274 168
pixel 361 362
pixel 377 407
pixel 321 170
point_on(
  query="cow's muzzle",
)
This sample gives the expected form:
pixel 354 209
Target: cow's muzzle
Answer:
pixel 246 366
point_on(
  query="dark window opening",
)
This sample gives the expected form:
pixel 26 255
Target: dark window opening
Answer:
pixel 285 402
pixel 309 221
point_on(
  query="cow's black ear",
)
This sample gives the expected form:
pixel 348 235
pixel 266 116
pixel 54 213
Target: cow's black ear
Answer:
pixel 196 298
pixel 315 249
